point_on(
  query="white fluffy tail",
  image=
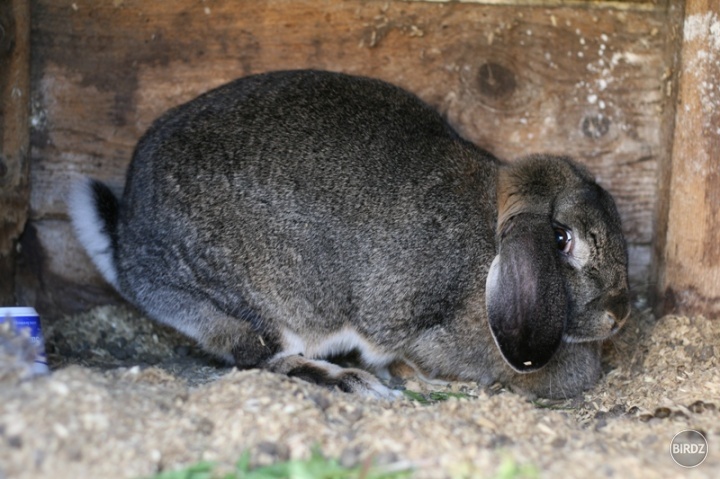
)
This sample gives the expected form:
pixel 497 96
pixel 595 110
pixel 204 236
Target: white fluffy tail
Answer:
pixel 93 209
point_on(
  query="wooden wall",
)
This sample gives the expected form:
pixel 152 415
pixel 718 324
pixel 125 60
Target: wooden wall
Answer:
pixel 688 230
pixel 14 136
pixel 592 79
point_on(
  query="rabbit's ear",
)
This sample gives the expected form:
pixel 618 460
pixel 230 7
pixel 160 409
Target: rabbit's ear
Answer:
pixel 525 293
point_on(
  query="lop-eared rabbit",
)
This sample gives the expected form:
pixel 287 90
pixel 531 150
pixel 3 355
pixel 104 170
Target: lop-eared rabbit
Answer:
pixel 290 216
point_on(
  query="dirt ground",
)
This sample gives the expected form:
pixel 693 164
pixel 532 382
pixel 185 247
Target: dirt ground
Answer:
pixel 127 399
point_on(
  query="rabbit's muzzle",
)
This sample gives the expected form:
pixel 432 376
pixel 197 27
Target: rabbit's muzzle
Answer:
pixel 600 320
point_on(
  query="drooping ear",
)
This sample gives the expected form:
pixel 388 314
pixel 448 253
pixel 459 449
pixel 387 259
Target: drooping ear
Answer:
pixel 525 293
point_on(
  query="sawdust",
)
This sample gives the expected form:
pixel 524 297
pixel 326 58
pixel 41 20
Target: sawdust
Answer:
pixel 128 398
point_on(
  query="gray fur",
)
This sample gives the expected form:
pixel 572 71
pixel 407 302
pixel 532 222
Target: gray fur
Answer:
pixel 289 214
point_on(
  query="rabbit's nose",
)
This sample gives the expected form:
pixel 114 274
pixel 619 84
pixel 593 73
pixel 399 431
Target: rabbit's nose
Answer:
pixel 617 310
pixel 611 323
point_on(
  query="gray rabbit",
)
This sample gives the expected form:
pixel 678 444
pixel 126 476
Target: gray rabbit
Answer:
pixel 290 216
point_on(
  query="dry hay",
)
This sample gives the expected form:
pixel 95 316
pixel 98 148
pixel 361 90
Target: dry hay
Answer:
pixel 98 415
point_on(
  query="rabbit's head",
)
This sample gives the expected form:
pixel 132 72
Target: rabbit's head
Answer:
pixel 560 273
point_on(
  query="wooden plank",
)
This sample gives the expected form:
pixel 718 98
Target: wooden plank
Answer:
pixel 591 83
pixel 14 135
pixel 689 263
pixel 645 5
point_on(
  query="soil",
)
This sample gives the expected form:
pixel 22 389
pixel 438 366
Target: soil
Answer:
pixel 128 398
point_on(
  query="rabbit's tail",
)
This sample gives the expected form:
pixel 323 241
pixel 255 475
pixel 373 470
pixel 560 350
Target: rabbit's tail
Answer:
pixel 94 212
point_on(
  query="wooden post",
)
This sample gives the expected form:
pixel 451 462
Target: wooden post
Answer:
pixel 688 261
pixel 14 135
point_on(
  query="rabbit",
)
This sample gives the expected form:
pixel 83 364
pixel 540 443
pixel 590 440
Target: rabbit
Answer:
pixel 290 216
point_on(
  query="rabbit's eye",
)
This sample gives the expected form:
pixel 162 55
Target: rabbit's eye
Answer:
pixel 564 240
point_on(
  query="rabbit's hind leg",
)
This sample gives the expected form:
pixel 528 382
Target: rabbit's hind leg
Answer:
pixel 240 338
pixel 246 340
pixel 239 341
pixel 332 376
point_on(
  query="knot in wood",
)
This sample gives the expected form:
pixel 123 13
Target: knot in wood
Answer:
pixel 496 81
pixel 595 126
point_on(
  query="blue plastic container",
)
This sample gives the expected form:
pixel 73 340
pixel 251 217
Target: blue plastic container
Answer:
pixel 26 317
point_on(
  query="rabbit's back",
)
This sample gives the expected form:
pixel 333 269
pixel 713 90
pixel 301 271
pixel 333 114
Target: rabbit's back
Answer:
pixel 315 198
pixel 346 133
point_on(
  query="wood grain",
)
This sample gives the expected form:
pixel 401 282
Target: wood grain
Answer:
pixel 14 135
pixel 689 260
pixel 592 83
pixel 617 4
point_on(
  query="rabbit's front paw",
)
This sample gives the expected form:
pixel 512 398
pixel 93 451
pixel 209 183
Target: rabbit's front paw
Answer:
pixel 329 375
